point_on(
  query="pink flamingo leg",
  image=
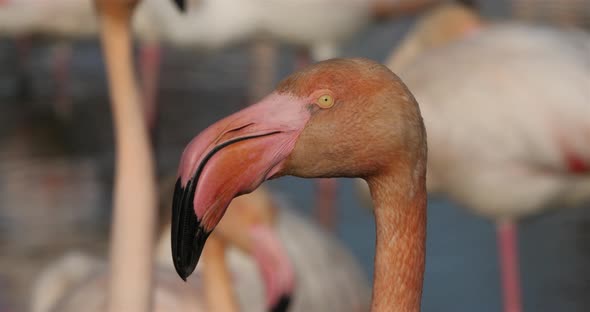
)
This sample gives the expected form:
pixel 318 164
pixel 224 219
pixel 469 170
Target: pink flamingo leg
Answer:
pixel 326 189
pixel 150 58
pixel 61 70
pixel 508 252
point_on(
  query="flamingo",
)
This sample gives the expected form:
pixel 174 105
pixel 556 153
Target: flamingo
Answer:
pixel 524 89
pixel 438 27
pixel 76 281
pixel 320 261
pixel 352 107
pixel 130 280
pixel 441 25
pixel 237 21
pixel 215 24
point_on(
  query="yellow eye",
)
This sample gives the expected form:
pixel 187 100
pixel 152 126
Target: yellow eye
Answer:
pixel 325 101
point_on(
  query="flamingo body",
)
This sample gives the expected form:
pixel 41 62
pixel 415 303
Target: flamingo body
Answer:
pixel 503 149
pixel 320 24
pixel 77 280
pixel 62 18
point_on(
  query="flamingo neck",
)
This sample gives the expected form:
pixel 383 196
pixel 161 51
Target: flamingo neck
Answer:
pixel 400 217
pixel 134 202
pixel 219 292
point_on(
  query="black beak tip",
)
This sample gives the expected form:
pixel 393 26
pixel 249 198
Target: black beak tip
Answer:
pixel 283 304
pixel 188 236
pixel 181 5
pixel 187 259
pixel 183 271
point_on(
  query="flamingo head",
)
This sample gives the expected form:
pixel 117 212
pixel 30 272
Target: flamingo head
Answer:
pixel 337 118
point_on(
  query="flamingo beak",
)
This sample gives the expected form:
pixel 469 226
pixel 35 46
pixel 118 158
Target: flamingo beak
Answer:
pixel 231 157
pixel 181 5
pixel 282 305
pixel 276 267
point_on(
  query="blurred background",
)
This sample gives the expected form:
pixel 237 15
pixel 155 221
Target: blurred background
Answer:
pixel 57 160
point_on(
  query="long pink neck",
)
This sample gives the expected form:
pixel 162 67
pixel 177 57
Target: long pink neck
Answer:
pixel 134 198
pixel 400 217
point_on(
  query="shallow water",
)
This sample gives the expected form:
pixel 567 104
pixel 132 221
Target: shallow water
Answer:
pixel 73 176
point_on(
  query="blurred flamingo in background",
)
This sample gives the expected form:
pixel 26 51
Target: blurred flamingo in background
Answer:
pixel 319 261
pixel 77 280
pixel 216 24
pixel 511 141
pixel 130 280
pixel 437 28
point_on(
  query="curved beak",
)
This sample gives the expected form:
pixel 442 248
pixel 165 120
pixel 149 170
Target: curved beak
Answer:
pixel 231 157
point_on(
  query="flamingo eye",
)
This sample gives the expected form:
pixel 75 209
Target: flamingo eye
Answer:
pixel 325 101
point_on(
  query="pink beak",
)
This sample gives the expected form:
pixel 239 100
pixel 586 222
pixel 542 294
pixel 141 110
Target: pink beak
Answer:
pixel 231 157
